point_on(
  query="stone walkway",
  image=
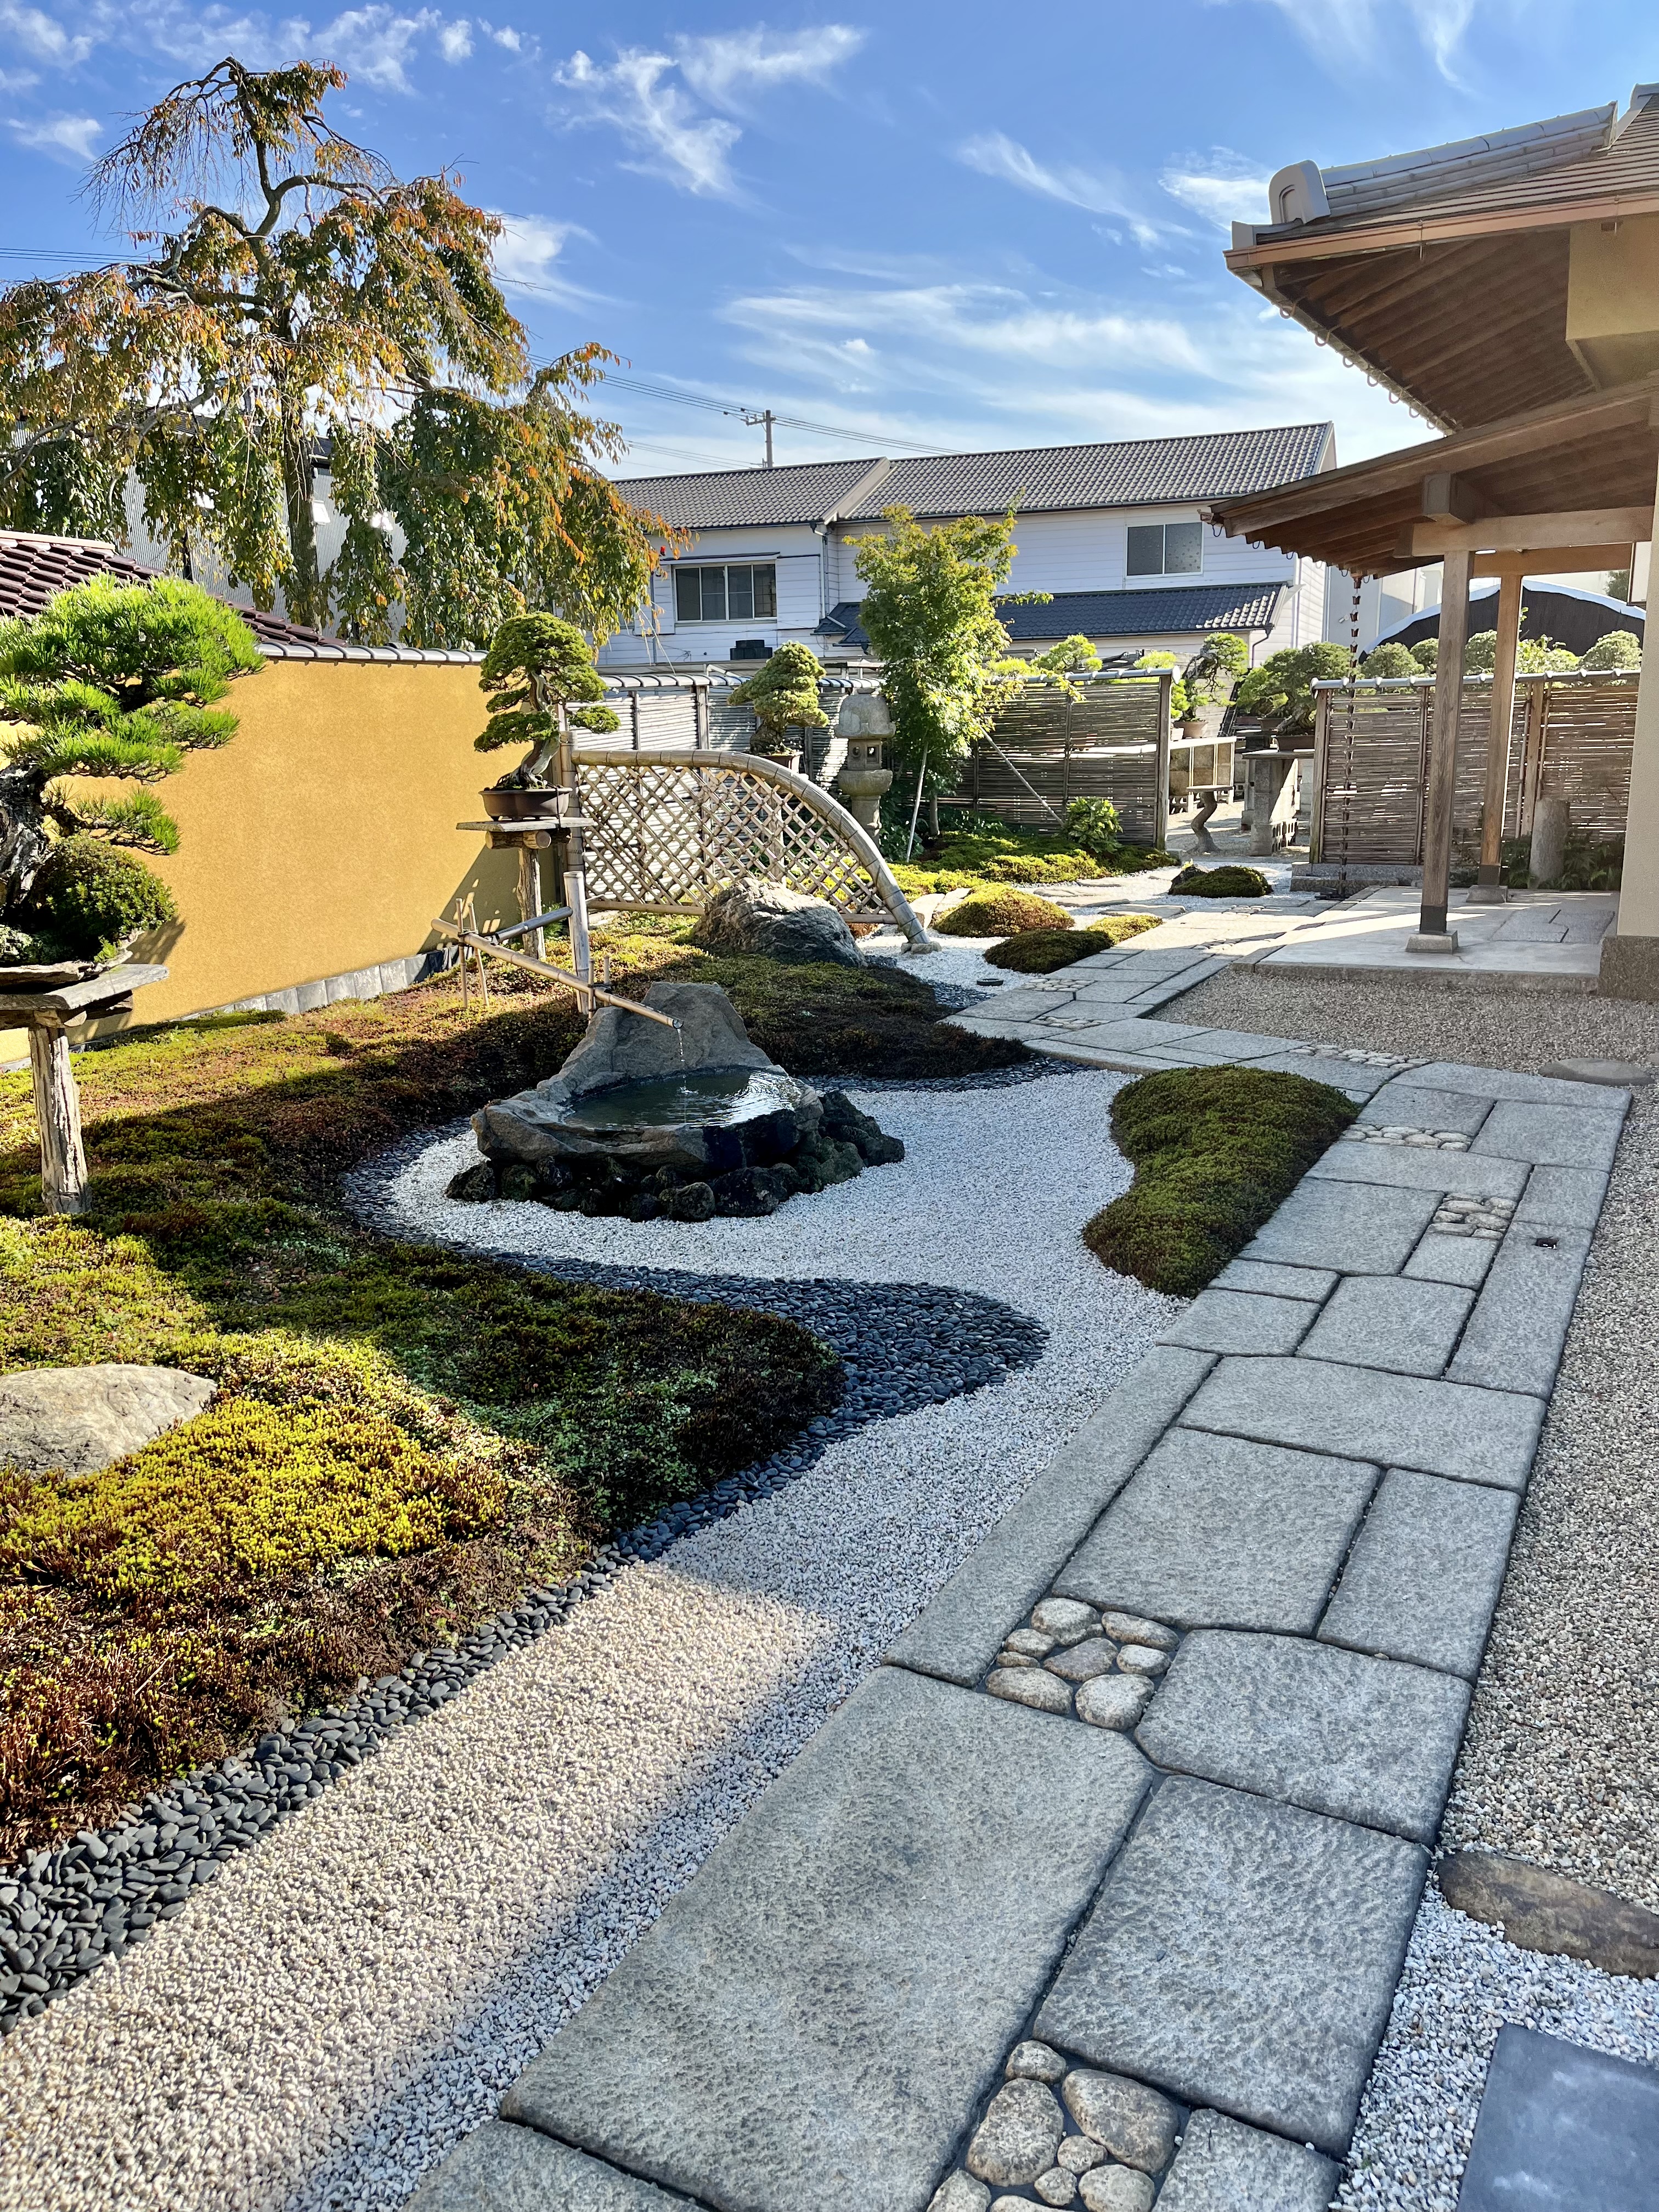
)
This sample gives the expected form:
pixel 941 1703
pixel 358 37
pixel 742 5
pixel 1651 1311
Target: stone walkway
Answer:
pixel 1098 1891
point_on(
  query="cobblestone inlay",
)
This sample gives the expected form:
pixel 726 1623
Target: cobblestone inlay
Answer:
pixel 1069 1658
pixel 1058 2134
pixel 1437 1140
pixel 1485 1217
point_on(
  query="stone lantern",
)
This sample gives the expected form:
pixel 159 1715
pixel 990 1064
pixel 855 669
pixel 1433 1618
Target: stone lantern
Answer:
pixel 866 724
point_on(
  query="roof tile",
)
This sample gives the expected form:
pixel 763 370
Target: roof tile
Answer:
pixel 34 570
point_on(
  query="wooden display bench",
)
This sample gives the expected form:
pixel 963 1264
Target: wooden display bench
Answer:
pixel 46 1015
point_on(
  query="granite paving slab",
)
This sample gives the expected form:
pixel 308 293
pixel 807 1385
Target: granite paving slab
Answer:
pixel 1519 1324
pixel 1272 1281
pixel 960 1633
pixel 1239 1321
pixel 1146 1035
pixel 1217 1533
pixel 1225 2166
pixel 1359 1082
pixel 1566 1197
pixel 1562 2129
pixel 1402 1420
pixel 1242 1956
pixel 1526 1089
pixel 1403 1167
pixel 501 2167
pixel 1407 1104
pixel 811 2017
pixel 1356 1229
pixel 1444 1258
pixel 1422 1581
pixel 1552 1136
pixel 1390 1322
pixel 1367 1739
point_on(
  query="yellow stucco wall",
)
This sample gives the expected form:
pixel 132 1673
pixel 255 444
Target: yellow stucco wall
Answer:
pixel 322 838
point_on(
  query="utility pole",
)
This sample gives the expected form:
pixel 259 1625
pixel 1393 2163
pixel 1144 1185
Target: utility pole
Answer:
pixel 768 418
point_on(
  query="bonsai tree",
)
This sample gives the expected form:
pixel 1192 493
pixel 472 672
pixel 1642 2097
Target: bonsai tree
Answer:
pixel 1214 669
pixel 784 695
pixel 112 680
pixel 1072 656
pixel 1391 659
pixel 540 672
pixel 1620 649
pixel 1281 691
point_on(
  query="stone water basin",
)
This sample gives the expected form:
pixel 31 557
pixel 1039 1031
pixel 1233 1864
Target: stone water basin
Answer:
pixel 711 1120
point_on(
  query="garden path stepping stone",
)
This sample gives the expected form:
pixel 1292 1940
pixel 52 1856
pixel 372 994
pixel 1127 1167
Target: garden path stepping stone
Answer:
pixel 1553 1136
pixel 1388 1321
pixel 503 2168
pixel 811 2020
pixel 1239 1321
pixel 1423 1578
pixel 1406 1104
pixel 1515 1335
pixel 1243 1955
pixel 1216 1532
pixel 1225 2166
pixel 1530 1090
pixel 1440 1428
pixel 1461 1174
pixel 75 1420
pixel 1562 2129
pixel 1368 1740
pixel 1357 1229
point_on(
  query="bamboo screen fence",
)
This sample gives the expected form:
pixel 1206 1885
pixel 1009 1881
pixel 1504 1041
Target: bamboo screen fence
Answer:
pixel 1571 738
pixel 1047 748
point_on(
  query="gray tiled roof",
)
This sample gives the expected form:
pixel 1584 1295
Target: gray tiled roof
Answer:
pixel 33 569
pixel 1130 472
pixel 1195 609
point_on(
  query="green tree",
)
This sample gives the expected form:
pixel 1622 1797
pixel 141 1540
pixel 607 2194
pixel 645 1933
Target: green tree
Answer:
pixel 112 680
pixel 1618 583
pixel 784 695
pixel 540 677
pixel 930 613
pixel 1426 654
pixel 297 290
pixel 1535 656
pixel 1281 690
pixel 1390 660
pixel 1072 656
pixel 1620 649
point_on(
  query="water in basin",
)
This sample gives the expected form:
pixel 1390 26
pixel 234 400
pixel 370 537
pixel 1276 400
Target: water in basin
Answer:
pixel 719 1096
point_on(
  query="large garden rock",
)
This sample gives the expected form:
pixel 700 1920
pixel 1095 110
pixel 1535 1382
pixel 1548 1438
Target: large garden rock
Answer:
pixel 757 917
pixel 620 1048
pixel 73 1420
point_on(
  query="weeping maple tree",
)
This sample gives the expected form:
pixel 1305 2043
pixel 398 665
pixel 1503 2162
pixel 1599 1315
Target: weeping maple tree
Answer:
pixel 286 288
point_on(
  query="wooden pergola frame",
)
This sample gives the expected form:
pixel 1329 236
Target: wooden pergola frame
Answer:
pixel 1567 486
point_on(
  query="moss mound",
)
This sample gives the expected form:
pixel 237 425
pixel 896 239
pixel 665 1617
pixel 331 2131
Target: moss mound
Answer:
pixel 1232 880
pixel 982 848
pixel 1002 914
pixel 1040 951
pixel 1215 1150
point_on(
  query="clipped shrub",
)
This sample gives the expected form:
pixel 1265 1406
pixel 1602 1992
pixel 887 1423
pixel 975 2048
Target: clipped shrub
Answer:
pixel 1040 951
pixel 1094 827
pixel 1231 880
pixel 1620 649
pixel 1215 1150
pixel 1391 659
pixel 1002 914
pixel 91 898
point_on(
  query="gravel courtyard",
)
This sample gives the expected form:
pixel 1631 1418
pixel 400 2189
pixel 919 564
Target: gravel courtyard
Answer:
pixel 342 2004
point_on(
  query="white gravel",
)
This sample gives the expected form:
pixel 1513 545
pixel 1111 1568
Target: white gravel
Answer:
pixel 328 2018
pixel 1462 1982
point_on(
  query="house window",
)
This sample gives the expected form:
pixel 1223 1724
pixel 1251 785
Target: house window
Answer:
pixel 727 593
pixel 1165 549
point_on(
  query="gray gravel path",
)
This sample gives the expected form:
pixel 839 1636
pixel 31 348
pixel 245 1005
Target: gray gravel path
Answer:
pixel 346 2001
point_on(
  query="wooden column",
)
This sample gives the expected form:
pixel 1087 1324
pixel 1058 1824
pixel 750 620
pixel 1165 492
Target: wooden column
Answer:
pixel 1432 934
pixel 1630 951
pixel 57 1110
pixel 1489 888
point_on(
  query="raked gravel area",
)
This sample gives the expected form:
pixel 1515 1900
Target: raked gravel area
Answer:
pixel 331 2015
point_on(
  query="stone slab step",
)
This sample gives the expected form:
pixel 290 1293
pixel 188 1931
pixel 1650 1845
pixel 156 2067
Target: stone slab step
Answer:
pixel 503 2168
pixel 1561 2130
pixel 1423 1578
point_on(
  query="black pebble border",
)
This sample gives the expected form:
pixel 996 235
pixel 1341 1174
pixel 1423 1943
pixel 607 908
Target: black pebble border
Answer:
pixel 902 1345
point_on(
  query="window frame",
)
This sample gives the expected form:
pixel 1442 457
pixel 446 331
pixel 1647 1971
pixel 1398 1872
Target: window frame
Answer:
pixel 1132 574
pixel 683 572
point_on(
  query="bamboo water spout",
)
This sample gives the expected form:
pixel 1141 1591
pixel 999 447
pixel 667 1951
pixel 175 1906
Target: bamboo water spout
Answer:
pixel 476 941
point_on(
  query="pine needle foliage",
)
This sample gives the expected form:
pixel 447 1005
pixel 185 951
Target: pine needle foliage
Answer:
pixel 784 695
pixel 536 671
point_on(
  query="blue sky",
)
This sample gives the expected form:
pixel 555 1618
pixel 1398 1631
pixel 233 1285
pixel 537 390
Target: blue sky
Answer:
pixel 950 226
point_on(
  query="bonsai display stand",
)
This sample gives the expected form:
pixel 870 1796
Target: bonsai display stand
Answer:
pixel 46 1016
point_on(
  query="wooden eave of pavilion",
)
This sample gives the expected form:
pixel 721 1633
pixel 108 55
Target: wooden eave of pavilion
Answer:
pixel 1456 302
pixel 1576 473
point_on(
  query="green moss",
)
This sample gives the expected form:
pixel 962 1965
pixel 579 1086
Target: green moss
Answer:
pixel 1002 914
pixel 1215 1150
pixel 1231 880
pixel 982 848
pixel 1040 951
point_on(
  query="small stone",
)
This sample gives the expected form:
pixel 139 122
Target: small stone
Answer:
pixel 1006 1658
pixel 1077 2154
pixel 1134 2123
pixel 960 2192
pixel 1031 1641
pixel 1036 1688
pixel 1113 1701
pixel 1083 1661
pixel 1141 1659
pixel 1065 1619
pixel 1131 1628
pixel 1034 2061
pixel 1020 2134
pixel 1057 2186
pixel 1011 2204
pixel 1116 2189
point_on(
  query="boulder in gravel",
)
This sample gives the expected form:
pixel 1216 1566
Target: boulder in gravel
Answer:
pixel 960 2192
pixel 754 916
pixel 844 1124
pixel 73 1420
pixel 1018 2136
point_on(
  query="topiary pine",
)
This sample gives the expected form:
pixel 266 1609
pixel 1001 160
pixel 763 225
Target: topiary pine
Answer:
pixel 117 680
pixel 784 695
pixel 537 666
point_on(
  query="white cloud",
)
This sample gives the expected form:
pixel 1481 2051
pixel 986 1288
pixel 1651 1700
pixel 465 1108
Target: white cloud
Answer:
pixel 1348 35
pixel 375 44
pixel 455 40
pixel 1099 192
pixel 503 34
pixel 43 37
pixel 65 137
pixel 18 80
pixel 1221 185
pixel 659 102
pixel 527 256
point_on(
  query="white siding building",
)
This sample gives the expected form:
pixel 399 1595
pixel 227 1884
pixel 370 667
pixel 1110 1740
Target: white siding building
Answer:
pixel 1112 532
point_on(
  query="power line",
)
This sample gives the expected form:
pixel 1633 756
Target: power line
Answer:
pixel 651 391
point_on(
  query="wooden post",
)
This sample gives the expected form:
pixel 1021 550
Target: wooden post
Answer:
pixel 57 1110
pixel 1489 888
pixel 1432 933
pixel 574 871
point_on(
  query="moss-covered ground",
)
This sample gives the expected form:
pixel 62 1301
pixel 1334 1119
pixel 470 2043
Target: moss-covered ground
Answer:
pixel 402 1439
pixel 980 849
pixel 1215 1150
pixel 1040 951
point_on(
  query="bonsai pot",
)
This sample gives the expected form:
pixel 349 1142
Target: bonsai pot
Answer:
pixel 520 805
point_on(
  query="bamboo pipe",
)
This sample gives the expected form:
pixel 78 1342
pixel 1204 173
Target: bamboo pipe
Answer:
pixel 479 944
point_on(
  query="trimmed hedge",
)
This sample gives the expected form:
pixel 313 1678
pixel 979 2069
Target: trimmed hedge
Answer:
pixel 1002 914
pixel 1231 880
pixel 1215 1150
pixel 1040 951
